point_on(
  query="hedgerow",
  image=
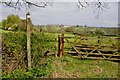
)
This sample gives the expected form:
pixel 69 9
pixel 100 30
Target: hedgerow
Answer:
pixel 14 50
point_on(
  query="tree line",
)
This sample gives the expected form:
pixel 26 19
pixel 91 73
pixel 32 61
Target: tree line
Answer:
pixel 14 23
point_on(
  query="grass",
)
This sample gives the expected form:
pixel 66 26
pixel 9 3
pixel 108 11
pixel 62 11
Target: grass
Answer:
pixel 69 67
pixel 4 31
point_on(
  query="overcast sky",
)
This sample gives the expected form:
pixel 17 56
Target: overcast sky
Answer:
pixel 68 14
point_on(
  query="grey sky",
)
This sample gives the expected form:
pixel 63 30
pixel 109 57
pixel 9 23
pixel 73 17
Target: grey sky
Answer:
pixel 67 13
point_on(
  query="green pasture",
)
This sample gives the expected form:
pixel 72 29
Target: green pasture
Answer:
pixel 68 67
pixel 55 67
pixel 91 40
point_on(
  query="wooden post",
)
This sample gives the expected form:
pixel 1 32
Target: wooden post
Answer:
pixel 60 45
pixel 28 40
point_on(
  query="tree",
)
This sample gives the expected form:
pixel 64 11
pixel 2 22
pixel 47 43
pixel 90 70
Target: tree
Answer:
pixel 99 32
pixel 4 23
pixel 99 5
pixel 17 4
pixel 13 21
pixel 61 30
pixel 22 25
pixel 70 29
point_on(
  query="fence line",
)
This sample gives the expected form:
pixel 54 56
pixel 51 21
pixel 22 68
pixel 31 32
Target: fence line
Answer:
pixel 107 50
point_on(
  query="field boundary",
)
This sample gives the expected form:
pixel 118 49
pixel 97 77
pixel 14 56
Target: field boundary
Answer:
pixel 81 47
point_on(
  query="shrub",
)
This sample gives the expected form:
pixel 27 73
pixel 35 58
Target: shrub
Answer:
pixel 28 73
pixel 70 29
pixel 14 49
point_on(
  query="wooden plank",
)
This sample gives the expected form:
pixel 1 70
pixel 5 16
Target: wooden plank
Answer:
pixel 103 50
pixel 91 48
pixel 102 45
pixel 83 45
pixel 118 38
pixel 74 52
pixel 86 36
pixel 102 58
pixel 99 58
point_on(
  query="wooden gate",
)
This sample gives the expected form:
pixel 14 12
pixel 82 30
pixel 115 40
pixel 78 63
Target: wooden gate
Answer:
pixel 90 47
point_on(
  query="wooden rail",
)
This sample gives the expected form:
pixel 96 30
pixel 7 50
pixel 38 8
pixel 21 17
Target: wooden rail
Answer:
pixel 104 51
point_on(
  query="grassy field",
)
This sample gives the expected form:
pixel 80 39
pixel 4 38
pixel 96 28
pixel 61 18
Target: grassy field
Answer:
pixel 67 66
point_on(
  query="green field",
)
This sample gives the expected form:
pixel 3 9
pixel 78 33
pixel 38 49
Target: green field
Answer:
pixel 52 67
pixel 68 67
pixel 44 38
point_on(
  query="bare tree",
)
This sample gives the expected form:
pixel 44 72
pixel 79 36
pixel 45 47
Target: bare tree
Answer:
pixel 81 4
pixel 98 5
pixel 18 4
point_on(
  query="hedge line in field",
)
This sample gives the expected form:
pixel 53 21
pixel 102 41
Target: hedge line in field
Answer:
pixel 14 49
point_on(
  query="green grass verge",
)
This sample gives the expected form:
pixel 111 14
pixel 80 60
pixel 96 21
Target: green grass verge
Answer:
pixel 68 67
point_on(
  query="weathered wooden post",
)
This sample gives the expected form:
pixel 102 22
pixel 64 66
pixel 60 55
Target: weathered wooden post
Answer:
pixel 60 45
pixel 28 40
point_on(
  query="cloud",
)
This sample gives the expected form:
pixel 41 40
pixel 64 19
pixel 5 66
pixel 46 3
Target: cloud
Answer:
pixel 67 13
pixel 0 12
